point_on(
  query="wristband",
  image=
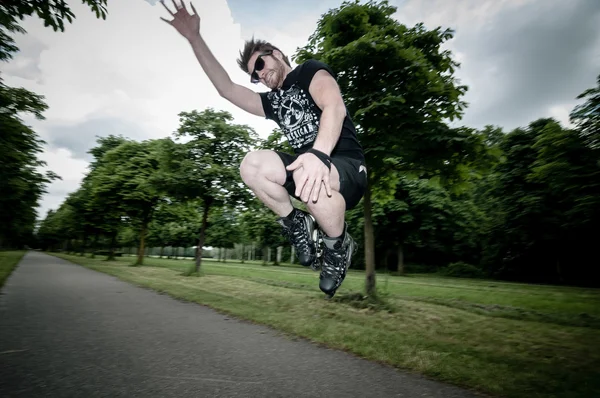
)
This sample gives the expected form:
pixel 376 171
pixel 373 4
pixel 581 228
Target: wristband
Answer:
pixel 321 155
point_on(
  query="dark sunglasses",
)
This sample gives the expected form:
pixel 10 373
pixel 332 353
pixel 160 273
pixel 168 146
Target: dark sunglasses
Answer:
pixel 259 64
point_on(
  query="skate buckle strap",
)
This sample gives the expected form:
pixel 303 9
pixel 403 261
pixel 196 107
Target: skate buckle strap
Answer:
pixel 321 155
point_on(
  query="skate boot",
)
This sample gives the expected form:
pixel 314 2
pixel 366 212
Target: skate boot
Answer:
pixel 337 256
pixel 301 230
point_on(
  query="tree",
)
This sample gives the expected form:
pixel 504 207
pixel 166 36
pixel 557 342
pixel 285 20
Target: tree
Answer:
pixel 206 165
pixel 399 88
pixel 102 213
pixel 276 141
pixel 568 167
pixel 223 229
pixel 542 202
pixel 21 183
pixel 126 181
pixel 425 224
pixel 52 12
pixel 260 223
pixel 587 116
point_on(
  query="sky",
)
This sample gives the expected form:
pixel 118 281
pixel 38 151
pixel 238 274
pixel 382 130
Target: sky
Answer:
pixel 132 73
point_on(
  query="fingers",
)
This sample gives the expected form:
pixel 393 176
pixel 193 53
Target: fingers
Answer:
pixel 327 184
pixel 167 8
pixel 297 163
pixel 193 9
pixel 167 21
pixel 184 7
pixel 316 191
pixel 177 7
pixel 308 189
pixel 300 183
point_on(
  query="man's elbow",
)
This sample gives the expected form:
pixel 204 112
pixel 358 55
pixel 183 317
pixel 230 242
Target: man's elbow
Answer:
pixel 337 110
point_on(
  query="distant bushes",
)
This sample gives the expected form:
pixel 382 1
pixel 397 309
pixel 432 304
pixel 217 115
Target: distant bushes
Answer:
pixel 462 270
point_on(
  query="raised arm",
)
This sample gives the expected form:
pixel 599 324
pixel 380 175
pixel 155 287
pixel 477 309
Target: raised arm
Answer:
pixel 188 25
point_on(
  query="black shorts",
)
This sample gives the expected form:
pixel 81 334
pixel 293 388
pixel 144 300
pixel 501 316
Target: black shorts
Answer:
pixel 353 177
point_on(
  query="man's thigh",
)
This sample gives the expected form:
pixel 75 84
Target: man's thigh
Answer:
pixel 292 176
pixel 348 177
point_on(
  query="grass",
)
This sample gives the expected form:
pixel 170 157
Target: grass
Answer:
pixel 502 339
pixel 8 262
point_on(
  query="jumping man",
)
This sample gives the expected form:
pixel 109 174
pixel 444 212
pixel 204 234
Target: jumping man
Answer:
pixel 327 172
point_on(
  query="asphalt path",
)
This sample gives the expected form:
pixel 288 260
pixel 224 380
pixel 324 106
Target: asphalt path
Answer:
pixel 67 331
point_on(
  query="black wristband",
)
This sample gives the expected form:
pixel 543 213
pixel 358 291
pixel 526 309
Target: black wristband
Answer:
pixel 321 155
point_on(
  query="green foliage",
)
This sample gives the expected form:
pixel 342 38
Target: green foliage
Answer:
pixel 399 89
pixel 223 228
pixel 21 182
pixel 206 165
pixel 398 86
pixel 428 223
pixel 543 205
pixel 259 222
pixel 52 12
pixel 126 179
pixel 277 142
pixel 586 116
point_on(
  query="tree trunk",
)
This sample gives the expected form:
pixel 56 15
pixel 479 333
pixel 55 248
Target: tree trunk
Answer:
pixel 265 254
pixel 293 256
pixel 243 248
pixel 162 250
pixel 94 244
pixel 202 236
pixel 369 246
pixel 401 259
pixel 558 271
pixel 83 244
pixel 113 242
pixel 140 259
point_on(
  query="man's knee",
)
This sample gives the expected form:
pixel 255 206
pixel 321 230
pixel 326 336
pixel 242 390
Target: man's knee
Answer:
pixel 259 165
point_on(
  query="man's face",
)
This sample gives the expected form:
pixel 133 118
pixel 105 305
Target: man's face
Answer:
pixel 268 68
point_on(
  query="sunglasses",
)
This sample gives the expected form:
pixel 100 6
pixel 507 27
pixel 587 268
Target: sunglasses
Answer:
pixel 258 66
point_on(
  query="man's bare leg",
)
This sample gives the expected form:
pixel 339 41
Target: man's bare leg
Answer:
pixel 329 211
pixel 264 173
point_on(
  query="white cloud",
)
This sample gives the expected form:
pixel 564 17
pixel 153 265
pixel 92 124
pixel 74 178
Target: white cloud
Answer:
pixel 131 67
pixel 133 72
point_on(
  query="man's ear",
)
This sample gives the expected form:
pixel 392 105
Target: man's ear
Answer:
pixel 278 54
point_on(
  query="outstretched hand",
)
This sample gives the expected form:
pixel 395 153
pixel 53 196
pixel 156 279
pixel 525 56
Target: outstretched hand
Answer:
pixel 188 25
pixel 313 174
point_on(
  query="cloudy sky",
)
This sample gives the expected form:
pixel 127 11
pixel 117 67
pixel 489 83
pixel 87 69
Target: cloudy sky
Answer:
pixel 131 74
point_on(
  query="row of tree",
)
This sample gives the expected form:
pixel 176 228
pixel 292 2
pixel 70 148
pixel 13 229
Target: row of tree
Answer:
pixel 21 182
pixel 519 205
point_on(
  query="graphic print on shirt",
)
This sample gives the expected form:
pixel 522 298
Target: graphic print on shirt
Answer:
pixel 297 119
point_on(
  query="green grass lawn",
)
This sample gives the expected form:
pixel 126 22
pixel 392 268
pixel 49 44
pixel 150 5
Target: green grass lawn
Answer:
pixel 8 262
pixel 504 339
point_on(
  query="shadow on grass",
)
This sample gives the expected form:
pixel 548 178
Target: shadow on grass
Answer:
pixel 372 303
pixel 191 271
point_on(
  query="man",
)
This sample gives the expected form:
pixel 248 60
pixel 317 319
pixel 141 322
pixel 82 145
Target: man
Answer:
pixel 327 172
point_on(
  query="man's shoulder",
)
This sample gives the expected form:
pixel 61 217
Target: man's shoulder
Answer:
pixel 313 64
pixel 309 68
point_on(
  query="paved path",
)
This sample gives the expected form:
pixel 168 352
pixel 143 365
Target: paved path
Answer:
pixel 67 331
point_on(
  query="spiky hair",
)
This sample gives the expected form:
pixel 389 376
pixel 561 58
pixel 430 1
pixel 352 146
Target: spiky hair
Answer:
pixel 251 46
